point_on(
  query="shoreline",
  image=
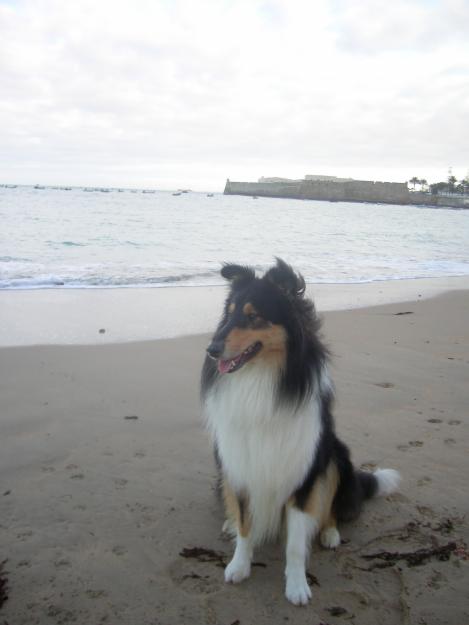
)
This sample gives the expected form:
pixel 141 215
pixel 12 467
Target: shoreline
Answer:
pixel 119 315
pixel 107 477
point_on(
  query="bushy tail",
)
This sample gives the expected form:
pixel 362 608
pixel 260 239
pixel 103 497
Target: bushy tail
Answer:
pixel 355 486
pixel 380 483
pixel 360 485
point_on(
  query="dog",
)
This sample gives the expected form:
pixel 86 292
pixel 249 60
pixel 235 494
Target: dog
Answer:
pixel 267 399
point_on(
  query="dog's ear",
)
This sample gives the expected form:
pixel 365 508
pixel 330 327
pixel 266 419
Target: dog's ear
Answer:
pixel 237 274
pixel 283 276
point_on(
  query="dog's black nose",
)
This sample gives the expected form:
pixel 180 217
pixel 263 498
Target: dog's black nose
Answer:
pixel 215 349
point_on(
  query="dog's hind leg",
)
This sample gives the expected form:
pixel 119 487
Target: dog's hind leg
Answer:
pixel 237 511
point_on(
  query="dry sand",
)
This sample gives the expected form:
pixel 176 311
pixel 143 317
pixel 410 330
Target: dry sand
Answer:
pixel 107 476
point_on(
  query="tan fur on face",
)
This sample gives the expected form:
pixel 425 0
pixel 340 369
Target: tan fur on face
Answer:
pixel 273 338
pixel 248 309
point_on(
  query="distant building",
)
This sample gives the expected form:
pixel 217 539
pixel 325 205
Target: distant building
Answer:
pixel 277 179
pixel 314 177
pixel 329 178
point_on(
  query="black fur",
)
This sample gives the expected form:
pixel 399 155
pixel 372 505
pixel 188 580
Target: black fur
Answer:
pixel 278 296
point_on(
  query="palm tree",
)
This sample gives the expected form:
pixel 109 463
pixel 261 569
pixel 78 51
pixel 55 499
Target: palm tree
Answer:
pixel 451 183
pixel 414 181
pixel 423 184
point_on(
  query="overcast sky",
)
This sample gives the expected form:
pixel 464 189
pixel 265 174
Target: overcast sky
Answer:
pixel 171 93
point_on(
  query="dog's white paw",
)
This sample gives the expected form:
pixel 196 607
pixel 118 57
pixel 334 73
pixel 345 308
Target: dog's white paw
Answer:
pixel 297 590
pixel 237 570
pixel 330 538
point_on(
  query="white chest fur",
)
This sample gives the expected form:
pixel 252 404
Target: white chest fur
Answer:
pixel 266 451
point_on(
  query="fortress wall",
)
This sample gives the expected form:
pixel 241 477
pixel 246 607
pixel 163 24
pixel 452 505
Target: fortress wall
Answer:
pixel 268 189
pixel 355 191
pixel 349 191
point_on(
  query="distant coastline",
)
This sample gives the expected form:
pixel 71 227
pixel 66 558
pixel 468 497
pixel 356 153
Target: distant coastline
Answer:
pixel 332 189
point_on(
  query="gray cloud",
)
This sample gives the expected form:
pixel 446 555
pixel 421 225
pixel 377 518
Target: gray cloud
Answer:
pixel 181 93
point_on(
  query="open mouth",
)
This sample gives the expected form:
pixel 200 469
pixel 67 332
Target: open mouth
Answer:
pixel 233 364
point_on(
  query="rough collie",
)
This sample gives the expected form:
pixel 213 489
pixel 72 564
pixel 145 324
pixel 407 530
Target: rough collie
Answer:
pixel 268 403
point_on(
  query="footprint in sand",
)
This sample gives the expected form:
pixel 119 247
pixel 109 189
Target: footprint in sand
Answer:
pixel 118 550
pixel 47 469
pixel 24 535
pixel 96 594
pixel 454 422
pixel 139 454
pixel 406 447
pixel 368 466
pixel 435 420
pixel 424 481
pixel 450 441
pixel 120 482
pixel 426 511
pixel 384 384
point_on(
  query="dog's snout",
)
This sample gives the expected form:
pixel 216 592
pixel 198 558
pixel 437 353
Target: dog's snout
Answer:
pixel 215 349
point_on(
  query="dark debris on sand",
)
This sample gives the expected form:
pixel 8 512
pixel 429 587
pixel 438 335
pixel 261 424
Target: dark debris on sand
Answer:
pixel 3 584
pixel 204 555
pixel 413 558
pixel 201 554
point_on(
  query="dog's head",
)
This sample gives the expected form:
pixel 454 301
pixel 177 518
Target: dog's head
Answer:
pixel 260 317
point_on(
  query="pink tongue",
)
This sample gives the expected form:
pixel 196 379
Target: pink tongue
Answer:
pixel 224 366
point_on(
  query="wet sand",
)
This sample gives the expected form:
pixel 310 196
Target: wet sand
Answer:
pixel 107 477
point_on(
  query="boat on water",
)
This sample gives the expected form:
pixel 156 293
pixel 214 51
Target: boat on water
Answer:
pixel 178 193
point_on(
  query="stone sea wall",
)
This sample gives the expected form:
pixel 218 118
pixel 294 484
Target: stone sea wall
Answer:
pixel 347 191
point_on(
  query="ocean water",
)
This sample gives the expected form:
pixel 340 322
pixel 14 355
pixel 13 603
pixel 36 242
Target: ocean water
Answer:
pixel 52 238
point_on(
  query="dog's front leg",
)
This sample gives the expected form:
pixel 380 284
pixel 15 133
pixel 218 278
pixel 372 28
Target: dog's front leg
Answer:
pixel 238 511
pixel 240 566
pixel 301 527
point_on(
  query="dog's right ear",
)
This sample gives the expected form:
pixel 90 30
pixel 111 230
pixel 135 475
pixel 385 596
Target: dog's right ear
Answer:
pixel 237 274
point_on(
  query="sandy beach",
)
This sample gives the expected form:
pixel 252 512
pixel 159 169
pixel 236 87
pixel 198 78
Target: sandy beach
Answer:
pixel 107 484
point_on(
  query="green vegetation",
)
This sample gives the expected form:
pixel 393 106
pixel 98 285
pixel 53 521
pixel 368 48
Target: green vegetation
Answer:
pixel 450 187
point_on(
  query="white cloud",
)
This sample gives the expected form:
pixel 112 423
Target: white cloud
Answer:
pixel 187 93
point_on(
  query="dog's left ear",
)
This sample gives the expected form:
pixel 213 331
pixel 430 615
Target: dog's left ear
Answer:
pixel 237 274
pixel 283 276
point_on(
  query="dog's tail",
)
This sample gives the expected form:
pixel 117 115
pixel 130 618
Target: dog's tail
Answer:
pixel 356 485
pixel 381 482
